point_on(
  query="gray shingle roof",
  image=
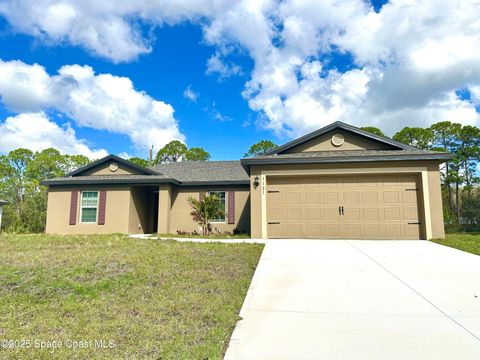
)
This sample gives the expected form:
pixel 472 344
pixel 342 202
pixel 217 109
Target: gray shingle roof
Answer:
pixel 204 171
pixel 109 179
pixel 346 156
pixel 180 173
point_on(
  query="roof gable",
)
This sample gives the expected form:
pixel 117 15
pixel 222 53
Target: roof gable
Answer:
pixel 354 139
pixel 101 166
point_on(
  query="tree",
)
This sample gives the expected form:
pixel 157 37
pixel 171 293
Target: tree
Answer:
pixel 139 161
pixel 260 148
pixel 204 210
pixel 177 151
pixel 373 130
pixel 415 136
pixel 197 154
pixel 172 152
pixel 445 138
pixel 73 162
pixel 21 172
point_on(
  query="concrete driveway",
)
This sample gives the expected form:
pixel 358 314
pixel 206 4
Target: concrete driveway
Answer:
pixel 351 300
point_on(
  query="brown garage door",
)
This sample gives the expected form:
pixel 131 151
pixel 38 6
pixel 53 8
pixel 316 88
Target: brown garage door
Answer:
pixel 351 207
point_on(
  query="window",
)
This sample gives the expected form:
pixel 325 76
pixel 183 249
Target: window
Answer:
pixel 89 205
pixel 221 196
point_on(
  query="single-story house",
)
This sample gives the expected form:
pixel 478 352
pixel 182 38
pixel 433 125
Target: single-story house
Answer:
pixel 2 203
pixel 336 182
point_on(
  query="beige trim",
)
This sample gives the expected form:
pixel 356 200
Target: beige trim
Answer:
pixel 263 185
pixel 295 172
pixel 426 206
pixel 164 207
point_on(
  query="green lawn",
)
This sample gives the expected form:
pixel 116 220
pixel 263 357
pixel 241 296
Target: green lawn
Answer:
pixel 153 299
pixel 469 242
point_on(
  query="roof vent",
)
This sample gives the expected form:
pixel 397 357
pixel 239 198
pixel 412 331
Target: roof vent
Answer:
pixel 338 140
pixel 113 167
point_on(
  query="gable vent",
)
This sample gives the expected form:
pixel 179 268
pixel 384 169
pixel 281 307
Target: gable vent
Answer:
pixel 338 140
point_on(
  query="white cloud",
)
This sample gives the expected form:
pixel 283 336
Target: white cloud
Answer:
pixel 125 155
pixel 36 132
pixel 190 94
pixel 411 56
pixel 218 66
pixel 103 101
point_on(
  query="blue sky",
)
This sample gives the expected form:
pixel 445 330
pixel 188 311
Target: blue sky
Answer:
pixel 177 62
pixel 257 70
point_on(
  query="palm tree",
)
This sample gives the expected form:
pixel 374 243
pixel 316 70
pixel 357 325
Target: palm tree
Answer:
pixel 204 210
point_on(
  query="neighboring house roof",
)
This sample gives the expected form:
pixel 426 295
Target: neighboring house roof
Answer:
pixel 198 172
pixel 3 202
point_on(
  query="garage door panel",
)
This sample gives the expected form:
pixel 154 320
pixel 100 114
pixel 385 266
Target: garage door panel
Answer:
pixel 330 182
pixel 410 197
pixel 293 198
pixel 352 214
pixel 312 182
pixel 277 213
pixel 370 197
pixel 371 214
pixel 390 214
pixel 372 231
pixel 312 197
pixel 313 213
pixel 331 197
pixel 352 197
pixel 331 213
pixel 413 231
pixel 391 197
pixel 313 230
pixel 333 230
pixel 375 207
pixel 353 231
pixel 393 231
pixel 294 230
pixel 410 213
pixel 294 213
pixel 275 198
pixel 276 231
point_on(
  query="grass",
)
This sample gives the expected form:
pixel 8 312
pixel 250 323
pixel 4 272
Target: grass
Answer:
pixel 469 242
pixel 153 299
pixel 211 236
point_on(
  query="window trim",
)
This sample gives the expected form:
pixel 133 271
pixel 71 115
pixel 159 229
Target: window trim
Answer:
pixel 89 207
pixel 224 221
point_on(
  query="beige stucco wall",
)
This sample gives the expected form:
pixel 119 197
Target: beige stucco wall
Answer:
pixel 130 210
pixel 433 180
pixel 116 211
pixel 324 143
pixel 181 220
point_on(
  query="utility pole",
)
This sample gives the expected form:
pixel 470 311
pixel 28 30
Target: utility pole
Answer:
pixel 150 161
